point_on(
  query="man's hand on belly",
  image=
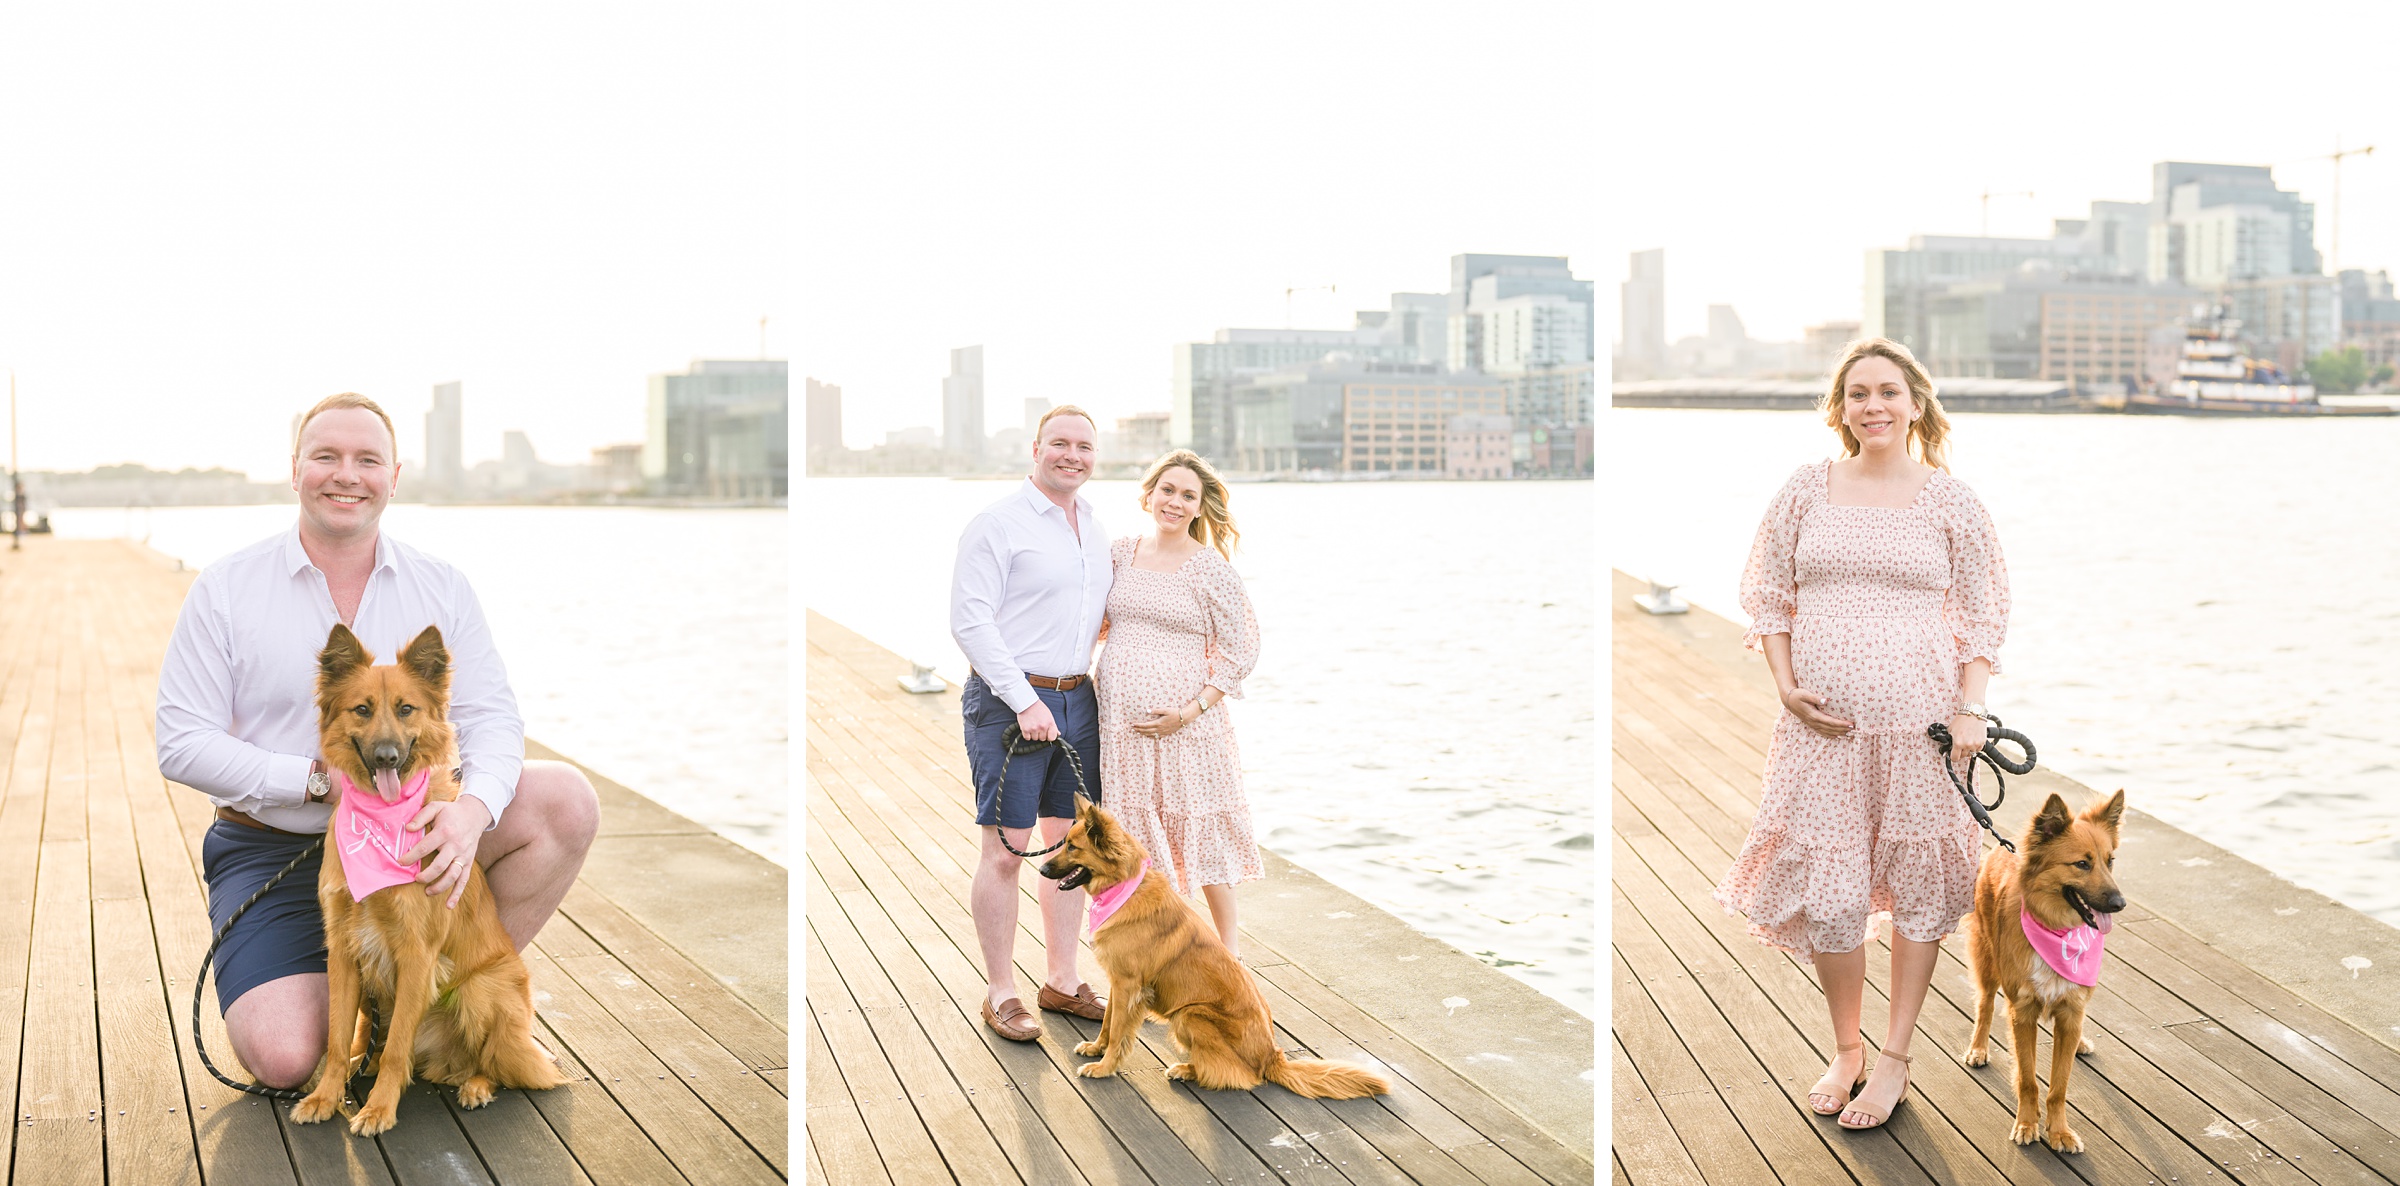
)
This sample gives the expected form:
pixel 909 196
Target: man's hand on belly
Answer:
pixel 452 830
pixel 1035 722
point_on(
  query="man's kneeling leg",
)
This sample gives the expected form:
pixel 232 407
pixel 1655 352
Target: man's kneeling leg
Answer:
pixel 278 1029
pixel 531 858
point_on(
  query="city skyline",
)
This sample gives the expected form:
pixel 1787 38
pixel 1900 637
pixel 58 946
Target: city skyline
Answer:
pixel 216 221
pixel 1838 166
pixel 1076 201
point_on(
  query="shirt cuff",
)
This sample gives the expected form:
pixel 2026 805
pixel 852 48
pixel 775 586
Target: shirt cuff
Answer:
pixel 287 781
pixel 495 797
pixel 1019 691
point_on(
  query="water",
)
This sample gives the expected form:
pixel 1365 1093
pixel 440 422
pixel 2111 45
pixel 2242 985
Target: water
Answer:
pixel 1419 730
pixel 2205 611
pixel 646 643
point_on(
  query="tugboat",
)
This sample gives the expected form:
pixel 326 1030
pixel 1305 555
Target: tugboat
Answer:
pixel 2214 378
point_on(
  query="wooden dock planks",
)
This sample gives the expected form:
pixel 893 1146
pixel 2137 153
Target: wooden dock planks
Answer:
pixel 2205 1071
pixel 906 1084
pixel 103 919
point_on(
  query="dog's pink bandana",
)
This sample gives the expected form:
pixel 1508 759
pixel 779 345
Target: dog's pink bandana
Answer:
pixel 1105 902
pixel 2073 953
pixel 371 834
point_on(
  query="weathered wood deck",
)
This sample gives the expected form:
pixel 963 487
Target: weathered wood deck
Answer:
pixel 677 1064
pixel 907 1086
pixel 2206 1070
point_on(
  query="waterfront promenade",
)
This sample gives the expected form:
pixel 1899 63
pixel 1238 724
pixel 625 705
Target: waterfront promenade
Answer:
pixel 2247 1029
pixel 907 1086
pixel 661 984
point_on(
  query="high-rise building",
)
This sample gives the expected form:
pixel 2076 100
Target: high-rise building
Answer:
pixel 1140 438
pixel 1643 328
pixel 1034 408
pixel 445 440
pixel 1902 282
pixel 962 403
pixel 2210 224
pixel 1560 394
pixel 1206 374
pixel 721 429
pixel 1417 327
pixel 2290 319
pixel 2042 324
pixel 1480 285
pixel 824 419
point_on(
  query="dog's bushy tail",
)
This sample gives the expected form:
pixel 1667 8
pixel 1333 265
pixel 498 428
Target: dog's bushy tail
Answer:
pixel 1319 1079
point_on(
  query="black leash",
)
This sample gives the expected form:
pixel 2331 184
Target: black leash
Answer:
pixel 1013 743
pixel 200 983
pixel 1989 755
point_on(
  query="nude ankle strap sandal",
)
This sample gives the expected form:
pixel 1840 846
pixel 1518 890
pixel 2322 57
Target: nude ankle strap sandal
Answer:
pixel 1897 1100
pixel 1826 1085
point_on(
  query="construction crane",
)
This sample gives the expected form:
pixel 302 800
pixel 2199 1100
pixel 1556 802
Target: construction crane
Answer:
pixel 2333 262
pixel 1987 207
pixel 1287 298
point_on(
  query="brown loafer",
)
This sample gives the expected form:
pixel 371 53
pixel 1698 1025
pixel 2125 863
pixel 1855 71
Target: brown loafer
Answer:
pixel 1012 1020
pixel 1086 1004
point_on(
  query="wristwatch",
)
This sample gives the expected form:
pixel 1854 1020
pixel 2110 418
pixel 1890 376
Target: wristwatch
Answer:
pixel 1975 709
pixel 320 788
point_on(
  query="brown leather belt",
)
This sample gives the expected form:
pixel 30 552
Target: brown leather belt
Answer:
pixel 1068 684
pixel 231 816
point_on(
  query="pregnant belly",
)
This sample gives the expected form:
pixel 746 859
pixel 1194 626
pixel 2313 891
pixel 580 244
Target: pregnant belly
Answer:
pixel 1882 674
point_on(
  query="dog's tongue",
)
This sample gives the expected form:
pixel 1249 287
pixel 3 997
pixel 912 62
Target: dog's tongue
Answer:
pixel 387 784
pixel 2103 922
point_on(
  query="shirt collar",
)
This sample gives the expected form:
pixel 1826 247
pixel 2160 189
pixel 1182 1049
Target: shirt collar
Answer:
pixel 1042 505
pixel 295 557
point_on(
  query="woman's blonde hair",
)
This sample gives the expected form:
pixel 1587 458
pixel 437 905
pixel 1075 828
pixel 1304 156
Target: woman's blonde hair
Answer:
pixel 1214 524
pixel 1928 433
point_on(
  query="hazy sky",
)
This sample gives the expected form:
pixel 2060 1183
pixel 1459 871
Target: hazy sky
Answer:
pixel 1076 187
pixel 212 215
pixel 1766 147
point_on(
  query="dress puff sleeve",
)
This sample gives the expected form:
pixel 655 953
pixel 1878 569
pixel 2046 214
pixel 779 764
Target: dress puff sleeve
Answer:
pixel 1770 589
pixel 1976 607
pixel 1232 624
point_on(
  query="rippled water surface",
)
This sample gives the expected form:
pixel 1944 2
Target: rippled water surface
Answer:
pixel 646 643
pixel 1419 728
pixel 2206 612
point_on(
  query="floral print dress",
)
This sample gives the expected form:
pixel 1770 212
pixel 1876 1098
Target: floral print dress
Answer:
pixel 1170 634
pixel 1884 607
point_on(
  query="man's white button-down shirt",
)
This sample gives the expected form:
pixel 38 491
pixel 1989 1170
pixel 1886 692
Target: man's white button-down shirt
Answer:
pixel 237 712
pixel 1028 595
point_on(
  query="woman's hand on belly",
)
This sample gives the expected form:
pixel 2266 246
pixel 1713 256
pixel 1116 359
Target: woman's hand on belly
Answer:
pixel 1811 708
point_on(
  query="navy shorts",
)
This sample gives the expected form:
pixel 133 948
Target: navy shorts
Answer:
pixel 284 935
pixel 1038 784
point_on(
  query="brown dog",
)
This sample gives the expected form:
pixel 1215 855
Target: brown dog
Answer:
pixel 458 1002
pixel 2064 878
pixel 1163 959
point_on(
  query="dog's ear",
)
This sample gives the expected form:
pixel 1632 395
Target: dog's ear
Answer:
pixel 343 654
pixel 2052 820
pixel 2110 814
pixel 426 658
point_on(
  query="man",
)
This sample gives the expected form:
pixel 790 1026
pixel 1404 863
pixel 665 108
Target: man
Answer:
pixel 237 721
pixel 1025 605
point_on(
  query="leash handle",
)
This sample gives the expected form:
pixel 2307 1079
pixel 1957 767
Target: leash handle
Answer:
pixel 1991 755
pixel 1012 743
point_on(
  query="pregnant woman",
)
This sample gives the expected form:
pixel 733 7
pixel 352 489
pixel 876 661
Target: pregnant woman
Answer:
pixel 1877 591
pixel 1180 638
